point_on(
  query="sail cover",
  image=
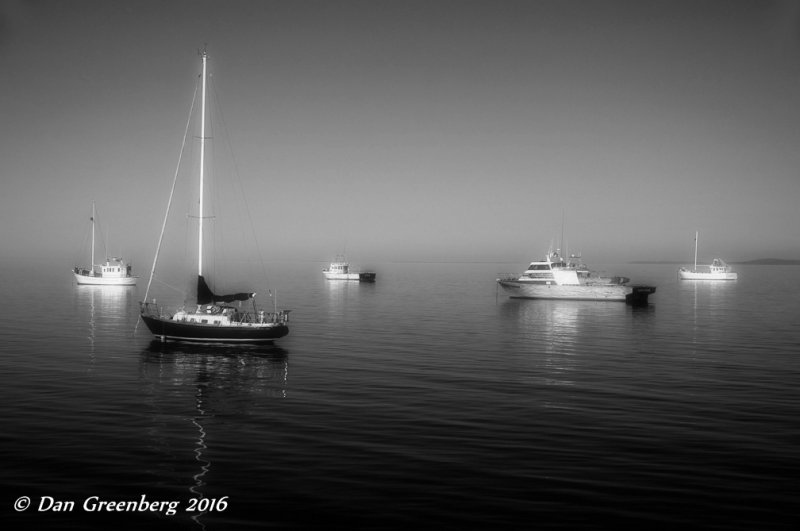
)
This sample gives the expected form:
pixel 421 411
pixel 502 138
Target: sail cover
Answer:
pixel 206 296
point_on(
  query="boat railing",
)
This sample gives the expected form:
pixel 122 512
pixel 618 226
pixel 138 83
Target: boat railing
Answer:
pixel 151 308
pixel 278 317
pixel 259 317
pixel 84 272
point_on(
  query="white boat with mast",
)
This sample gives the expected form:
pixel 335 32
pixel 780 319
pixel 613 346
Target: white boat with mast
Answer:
pixel 213 319
pixel 556 277
pixel 113 272
pixel 717 270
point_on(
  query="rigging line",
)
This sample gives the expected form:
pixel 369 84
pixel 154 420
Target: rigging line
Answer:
pixel 188 272
pixel 85 248
pixel 172 192
pixel 170 286
pixel 104 238
pixel 101 229
pixel 212 240
pixel 227 136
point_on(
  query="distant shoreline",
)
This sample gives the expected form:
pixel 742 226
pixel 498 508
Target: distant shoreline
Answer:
pixel 760 261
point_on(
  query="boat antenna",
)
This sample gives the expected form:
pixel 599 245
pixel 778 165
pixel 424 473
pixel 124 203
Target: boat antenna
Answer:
pixel 696 234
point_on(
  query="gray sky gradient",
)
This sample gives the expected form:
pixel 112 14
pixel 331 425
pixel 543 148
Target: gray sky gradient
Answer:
pixel 405 130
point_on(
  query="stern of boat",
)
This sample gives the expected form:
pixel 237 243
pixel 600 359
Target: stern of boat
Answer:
pixel 639 294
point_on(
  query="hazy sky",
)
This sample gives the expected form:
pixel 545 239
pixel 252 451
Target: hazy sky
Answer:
pixel 405 130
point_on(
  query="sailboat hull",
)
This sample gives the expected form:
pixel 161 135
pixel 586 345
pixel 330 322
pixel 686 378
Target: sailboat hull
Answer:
pixel 167 329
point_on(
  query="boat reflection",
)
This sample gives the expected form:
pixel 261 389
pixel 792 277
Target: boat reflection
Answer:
pixel 339 291
pixel 548 331
pixel 345 304
pixel 219 382
pixel 108 309
pixel 559 322
pixel 709 305
pixel 245 368
pixel 707 294
pixel 563 341
pixel 109 303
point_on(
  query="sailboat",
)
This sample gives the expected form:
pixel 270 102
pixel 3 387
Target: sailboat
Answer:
pixel 113 272
pixel 717 270
pixel 214 319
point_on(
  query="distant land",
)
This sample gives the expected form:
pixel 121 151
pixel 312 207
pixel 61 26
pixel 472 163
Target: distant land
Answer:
pixel 770 261
pixel 760 261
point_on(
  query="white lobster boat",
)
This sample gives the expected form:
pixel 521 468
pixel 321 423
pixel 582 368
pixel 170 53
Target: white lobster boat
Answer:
pixel 341 271
pixel 114 272
pixel 557 278
pixel 717 270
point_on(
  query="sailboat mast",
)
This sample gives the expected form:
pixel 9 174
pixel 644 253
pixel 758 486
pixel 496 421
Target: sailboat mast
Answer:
pixel 202 167
pixel 91 263
pixel 696 234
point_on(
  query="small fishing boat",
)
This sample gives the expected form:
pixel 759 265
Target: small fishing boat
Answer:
pixel 340 270
pixel 113 272
pixel 717 270
pixel 213 319
pixel 557 277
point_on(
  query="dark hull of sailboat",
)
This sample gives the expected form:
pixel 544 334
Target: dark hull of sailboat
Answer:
pixel 206 333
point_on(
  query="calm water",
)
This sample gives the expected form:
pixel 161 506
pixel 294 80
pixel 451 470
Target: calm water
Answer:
pixel 426 400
